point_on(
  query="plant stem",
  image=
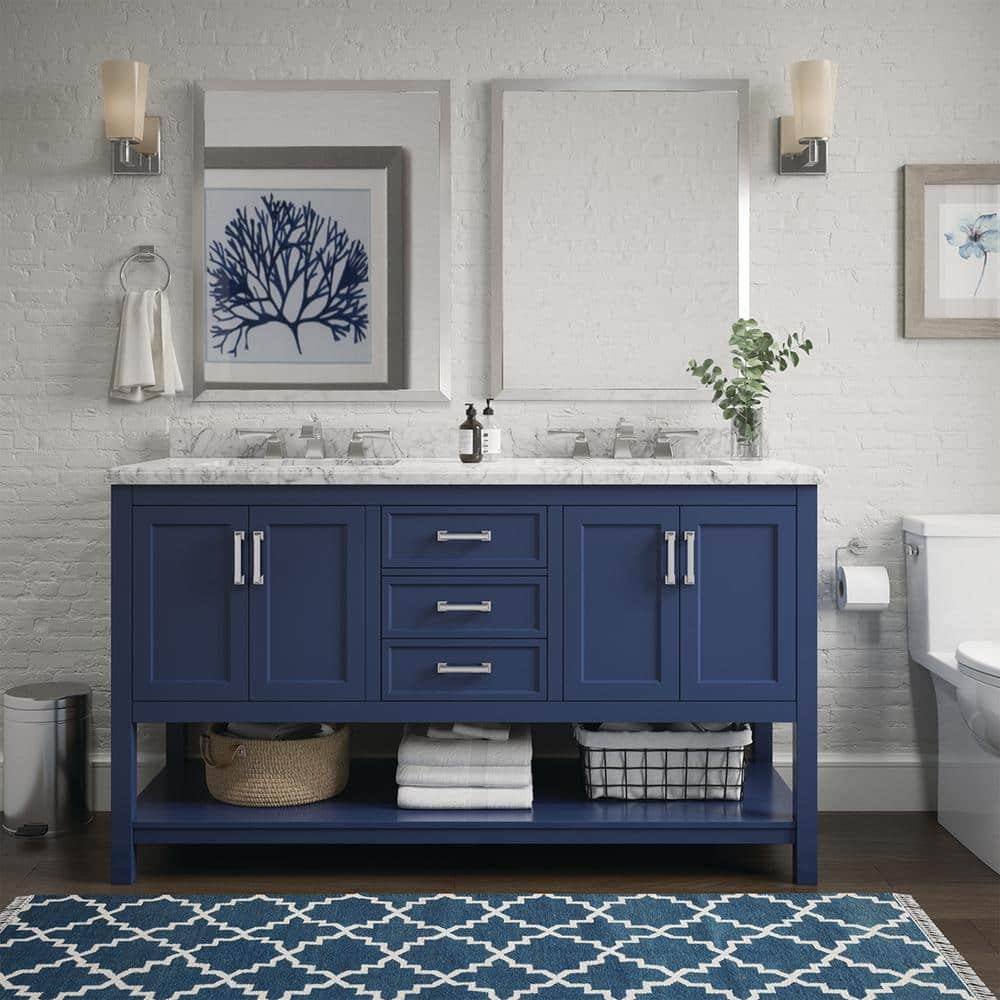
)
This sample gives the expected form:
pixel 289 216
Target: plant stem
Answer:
pixel 981 273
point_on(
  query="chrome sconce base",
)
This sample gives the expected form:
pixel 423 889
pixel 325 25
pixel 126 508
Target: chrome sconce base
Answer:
pixel 129 159
pixel 811 161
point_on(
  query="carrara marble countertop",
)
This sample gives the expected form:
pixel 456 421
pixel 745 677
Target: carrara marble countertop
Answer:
pixel 451 472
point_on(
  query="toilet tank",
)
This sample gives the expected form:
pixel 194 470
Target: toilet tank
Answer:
pixel 952 580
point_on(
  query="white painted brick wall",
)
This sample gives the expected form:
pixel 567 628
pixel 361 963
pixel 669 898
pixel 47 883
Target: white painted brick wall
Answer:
pixel 899 426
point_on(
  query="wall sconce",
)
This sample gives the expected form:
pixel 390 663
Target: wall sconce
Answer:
pixel 134 138
pixel 814 86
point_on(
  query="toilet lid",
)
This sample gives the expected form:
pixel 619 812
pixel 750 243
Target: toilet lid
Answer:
pixel 983 657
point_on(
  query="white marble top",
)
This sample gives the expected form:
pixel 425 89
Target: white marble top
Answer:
pixel 451 472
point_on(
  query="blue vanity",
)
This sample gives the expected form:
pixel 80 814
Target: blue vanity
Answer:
pixel 538 591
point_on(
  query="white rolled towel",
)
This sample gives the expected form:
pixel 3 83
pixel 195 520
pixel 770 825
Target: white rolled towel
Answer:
pixel 419 797
pixel 468 731
pixel 482 730
pixel 417 748
pixel 467 776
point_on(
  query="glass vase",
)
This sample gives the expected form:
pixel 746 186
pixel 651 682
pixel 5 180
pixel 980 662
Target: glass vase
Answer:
pixel 748 439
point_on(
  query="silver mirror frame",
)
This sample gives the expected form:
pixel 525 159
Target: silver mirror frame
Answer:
pixel 739 87
pixel 441 393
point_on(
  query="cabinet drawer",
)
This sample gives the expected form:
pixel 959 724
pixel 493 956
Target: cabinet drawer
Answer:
pixel 457 538
pixel 464 606
pixel 463 671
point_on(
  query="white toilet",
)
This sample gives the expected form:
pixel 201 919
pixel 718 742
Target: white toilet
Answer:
pixel 953 598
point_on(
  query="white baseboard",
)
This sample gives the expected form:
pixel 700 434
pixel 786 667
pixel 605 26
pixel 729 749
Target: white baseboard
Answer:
pixel 889 782
pixel 847 782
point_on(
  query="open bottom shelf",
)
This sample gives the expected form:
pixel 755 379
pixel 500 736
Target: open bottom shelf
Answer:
pixel 179 809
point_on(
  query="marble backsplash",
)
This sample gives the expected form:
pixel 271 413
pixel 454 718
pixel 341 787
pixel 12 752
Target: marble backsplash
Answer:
pixel 419 440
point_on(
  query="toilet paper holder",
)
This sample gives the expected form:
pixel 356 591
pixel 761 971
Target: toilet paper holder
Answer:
pixel 856 546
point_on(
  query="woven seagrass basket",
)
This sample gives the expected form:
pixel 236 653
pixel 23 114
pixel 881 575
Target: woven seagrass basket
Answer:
pixel 275 772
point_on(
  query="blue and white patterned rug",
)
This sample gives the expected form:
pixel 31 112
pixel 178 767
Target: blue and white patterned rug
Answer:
pixel 836 946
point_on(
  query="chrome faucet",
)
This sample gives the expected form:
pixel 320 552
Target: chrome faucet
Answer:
pixel 624 439
pixel 581 446
pixel 312 434
pixel 356 446
pixel 664 441
pixel 273 445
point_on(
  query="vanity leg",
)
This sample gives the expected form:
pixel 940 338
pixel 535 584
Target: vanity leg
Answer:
pixel 763 742
pixel 805 850
pixel 123 730
pixel 123 792
pixel 806 777
pixel 176 751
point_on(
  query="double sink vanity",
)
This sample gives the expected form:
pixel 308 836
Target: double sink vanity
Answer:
pixel 527 590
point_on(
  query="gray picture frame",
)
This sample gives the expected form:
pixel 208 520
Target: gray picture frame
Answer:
pixel 387 158
pixel 428 335
pixel 916 324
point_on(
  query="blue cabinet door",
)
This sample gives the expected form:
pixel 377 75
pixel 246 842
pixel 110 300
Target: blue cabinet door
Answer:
pixel 737 603
pixel 189 633
pixel 620 609
pixel 306 575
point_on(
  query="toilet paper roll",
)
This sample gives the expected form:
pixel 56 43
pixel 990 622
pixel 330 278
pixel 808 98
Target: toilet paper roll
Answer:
pixel 862 588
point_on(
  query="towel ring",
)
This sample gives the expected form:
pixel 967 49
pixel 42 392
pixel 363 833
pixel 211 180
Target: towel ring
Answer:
pixel 144 254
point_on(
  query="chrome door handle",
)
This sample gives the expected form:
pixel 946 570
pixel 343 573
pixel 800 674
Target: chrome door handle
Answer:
pixel 258 575
pixel 689 567
pixel 239 577
pixel 670 537
pixel 484 607
pixel 486 667
pixel 465 536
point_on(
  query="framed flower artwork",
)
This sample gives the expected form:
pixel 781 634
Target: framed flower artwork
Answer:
pixel 952 248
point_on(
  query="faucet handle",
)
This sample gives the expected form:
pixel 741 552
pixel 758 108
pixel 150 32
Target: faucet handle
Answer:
pixel 356 446
pixel 581 446
pixel 665 437
pixel 274 447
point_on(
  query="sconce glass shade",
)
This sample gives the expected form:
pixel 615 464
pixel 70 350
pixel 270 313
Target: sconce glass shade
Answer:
pixel 124 83
pixel 149 144
pixel 814 86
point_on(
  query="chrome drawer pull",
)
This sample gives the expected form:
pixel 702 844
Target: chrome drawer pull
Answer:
pixel 670 537
pixel 239 577
pixel 258 573
pixel 480 668
pixel 484 607
pixel 465 536
pixel 689 568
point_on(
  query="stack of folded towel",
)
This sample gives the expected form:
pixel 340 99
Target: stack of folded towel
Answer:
pixel 465 766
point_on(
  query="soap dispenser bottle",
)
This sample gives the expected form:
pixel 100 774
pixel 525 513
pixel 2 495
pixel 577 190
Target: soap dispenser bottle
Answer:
pixel 492 436
pixel 470 437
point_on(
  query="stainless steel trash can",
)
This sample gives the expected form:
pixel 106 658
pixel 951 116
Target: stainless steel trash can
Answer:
pixel 45 766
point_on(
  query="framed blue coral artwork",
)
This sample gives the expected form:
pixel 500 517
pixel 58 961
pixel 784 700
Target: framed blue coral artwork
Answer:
pixel 952 251
pixel 302 281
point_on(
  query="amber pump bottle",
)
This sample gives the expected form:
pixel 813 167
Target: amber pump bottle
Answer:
pixel 470 437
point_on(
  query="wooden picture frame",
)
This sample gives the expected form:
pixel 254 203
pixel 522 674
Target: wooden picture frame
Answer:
pixel 943 285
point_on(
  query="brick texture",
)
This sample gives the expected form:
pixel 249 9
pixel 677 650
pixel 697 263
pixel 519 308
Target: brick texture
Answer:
pixel 899 426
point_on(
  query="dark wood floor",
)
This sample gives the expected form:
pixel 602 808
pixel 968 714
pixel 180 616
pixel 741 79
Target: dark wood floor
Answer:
pixel 869 852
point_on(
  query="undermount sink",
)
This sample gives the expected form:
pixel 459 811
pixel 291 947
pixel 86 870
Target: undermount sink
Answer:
pixel 257 460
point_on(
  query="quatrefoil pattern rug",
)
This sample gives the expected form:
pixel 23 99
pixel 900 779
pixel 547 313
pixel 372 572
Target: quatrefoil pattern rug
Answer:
pixel 835 946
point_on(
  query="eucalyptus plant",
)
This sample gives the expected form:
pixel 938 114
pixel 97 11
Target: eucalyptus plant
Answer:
pixel 756 354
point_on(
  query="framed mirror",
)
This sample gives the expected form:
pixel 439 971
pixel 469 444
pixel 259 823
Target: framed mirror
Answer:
pixel 322 241
pixel 620 233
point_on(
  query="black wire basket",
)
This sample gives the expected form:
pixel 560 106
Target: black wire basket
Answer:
pixel 664 765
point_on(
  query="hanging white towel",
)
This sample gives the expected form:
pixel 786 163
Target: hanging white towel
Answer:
pixel 145 363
